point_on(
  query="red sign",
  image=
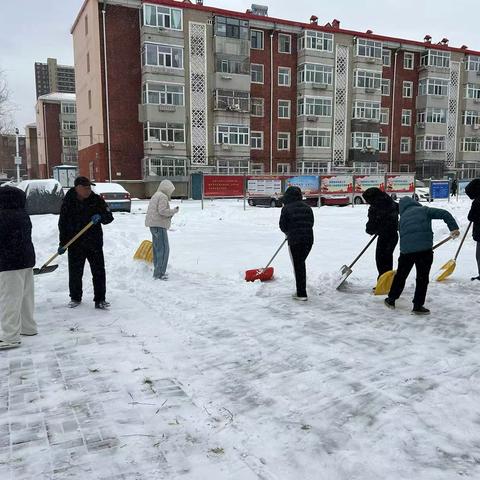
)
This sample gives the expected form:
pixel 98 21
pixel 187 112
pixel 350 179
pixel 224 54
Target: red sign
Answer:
pixel 221 186
pixel 400 183
pixel 332 184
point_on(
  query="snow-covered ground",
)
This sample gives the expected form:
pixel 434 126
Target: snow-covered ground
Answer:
pixel 208 377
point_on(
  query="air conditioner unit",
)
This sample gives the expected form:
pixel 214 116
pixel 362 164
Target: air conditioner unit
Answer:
pixel 420 125
pixel 167 145
pixel 312 118
pixel 320 86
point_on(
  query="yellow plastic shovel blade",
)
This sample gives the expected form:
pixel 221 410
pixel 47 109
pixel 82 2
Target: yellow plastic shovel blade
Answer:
pixel 448 269
pixel 384 283
pixel 144 252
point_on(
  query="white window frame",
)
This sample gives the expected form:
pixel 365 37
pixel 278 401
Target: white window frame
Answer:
pixel 383 144
pixel 470 144
pixel 472 91
pixel 162 12
pixel 405 145
pixel 366 110
pixel 321 73
pixel 285 35
pixel 432 115
pixel 407 89
pixel 233 167
pixel 251 73
pixel 368 48
pixel 385 87
pixel 283 168
pixel 168 130
pixel 162 54
pixel 257 168
pixel 69 125
pixel 286 74
pixel 365 140
pixel 315 40
pixel 287 104
pixel 69 108
pixel 425 143
pixel 228 133
pixel 163 96
pixel 384 115
pixel 367 79
pixel 262 36
pixel 167 166
pixel 386 54
pixel 410 63
pixel 435 58
pixel 406 117
pixel 314 138
pixel 429 86
pixel 258 137
pixel 286 136
pixel 70 142
pixel 257 102
pixel 312 106
pixel 471 117
pixel 473 63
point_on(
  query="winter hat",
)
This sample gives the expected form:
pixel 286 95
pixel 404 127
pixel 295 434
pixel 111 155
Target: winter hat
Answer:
pixel 473 189
pixel 292 194
pixel 371 194
pixel 12 198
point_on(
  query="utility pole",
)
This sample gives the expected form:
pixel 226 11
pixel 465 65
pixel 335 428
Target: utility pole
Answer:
pixel 18 158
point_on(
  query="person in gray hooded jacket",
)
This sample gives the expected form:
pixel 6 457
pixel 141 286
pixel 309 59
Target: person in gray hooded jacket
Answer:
pixel 158 219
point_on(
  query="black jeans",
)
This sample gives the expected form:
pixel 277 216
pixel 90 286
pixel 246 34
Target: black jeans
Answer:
pixel 423 262
pixel 76 264
pixel 384 253
pixel 299 253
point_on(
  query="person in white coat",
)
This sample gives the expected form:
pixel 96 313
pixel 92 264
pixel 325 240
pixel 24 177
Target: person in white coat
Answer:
pixel 158 219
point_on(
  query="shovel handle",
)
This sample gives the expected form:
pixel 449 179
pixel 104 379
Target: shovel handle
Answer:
pixel 363 251
pixel 439 244
pixel 463 240
pixel 275 254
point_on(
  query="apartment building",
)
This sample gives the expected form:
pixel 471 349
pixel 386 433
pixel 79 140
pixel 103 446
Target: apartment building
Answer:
pixel 31 148
pixel 57 141
pixel 166 88
pixel 51 77
pixel 8 168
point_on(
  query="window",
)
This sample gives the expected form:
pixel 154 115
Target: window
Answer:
pixel 367 79
pixel 88 62
pixel 165 132
pixel 383 144
pixel 470 144
pixel 284 43
pixel 256 140
pixel 231 27
pixel 312 40
pixel 283 141
pixel 407 89
pixel 163 94
pixel 315 73
pixel 283 168
pixel 405 143
pixel 227 65
pixel 167 166
pixel 432 115
pixel 256 73
pixel 284 109
pixel 91 135
pixel 384 116
pixel 233 100
pixel 471 117
pixel 284 76
pixel 433 86
pixel 366 110
pixel 385 87
pixel 257 107
pixel 365 140
pixel 473 63
pixel 369 48
pixel 90 99
pixel 404 168
pixel 157 55
pixel 69 108
pixel 472 90
pixel 313 167
pixel 406 118
pixel 256 39
pixel 232 134
pixel 86 25
pixel 408 61
pixel 316 138
pixel 431 143
pixel 162 17
pixel 233 167
pixel 434 58
pixel 386 57
pixel 314 106
pixel 69 125
pixel 256 168
pixel 70 142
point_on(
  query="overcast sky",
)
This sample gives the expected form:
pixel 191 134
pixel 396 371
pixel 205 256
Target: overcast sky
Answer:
pixel 32 30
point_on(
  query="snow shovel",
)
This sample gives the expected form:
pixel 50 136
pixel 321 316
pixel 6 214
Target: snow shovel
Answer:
pixel 384 282
pixel 144 252
pixel 263 274
pixel 449 267
pixel 46 267
pixel 346 270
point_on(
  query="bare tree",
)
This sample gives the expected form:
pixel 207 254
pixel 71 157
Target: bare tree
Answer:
pixel 6 108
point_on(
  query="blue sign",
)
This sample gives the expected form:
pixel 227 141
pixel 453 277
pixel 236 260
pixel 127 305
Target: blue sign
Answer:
pixel 440 189
pixel 308 184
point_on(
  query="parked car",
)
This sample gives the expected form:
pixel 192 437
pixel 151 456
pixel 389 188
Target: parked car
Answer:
pixel 117 198
pixel 268 201
pixel 422 192
pixel 43 196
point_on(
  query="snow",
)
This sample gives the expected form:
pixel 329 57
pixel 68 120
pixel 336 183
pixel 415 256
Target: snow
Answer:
pixel 205 376
pixel 108 188
pixel 34 186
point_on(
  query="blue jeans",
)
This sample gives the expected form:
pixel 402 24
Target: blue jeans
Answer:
pixel 161 250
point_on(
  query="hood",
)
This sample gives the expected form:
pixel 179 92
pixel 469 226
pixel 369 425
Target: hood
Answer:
pixel 374 195
pixel 473 189
pixel 406 203
pixel 12 198
pixel 292 194
pixel 166 187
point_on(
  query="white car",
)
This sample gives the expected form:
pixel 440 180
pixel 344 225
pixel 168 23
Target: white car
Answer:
pixel 422 192
pixel 117 198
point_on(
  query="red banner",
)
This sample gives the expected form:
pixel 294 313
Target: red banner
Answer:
pixel 400 183
pixel 221 186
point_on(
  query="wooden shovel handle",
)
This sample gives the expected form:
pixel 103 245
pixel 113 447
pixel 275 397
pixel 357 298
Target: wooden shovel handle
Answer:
pixel 463 240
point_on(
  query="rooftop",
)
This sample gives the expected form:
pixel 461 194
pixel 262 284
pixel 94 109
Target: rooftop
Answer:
pixel 58 97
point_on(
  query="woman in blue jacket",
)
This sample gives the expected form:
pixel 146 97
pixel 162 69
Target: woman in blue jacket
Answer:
pixel 416 243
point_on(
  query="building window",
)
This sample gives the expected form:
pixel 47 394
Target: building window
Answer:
pixel 284 109
pixel 365 140
pixel 69 125
pixel 314 106
pixel 157 55
pixel 473 63
pixel 232 135
pixel 471 117
pixel 227 65
pixel 405 143
pixel 86 25
pixel 470 144
pixel 312 40
pixel 231 28
pixel 70 142
pixel 89 99
pixel 404 168
pixel 163 94
pixel 257 168
pixel 284 76
pixel 91 135
pixel 232 100
pixel 167 166
pixel 162 17
pixel 472 90
pixel 406 118
pixel 233 167
pixel 435 58
pixel 384 116
pixel 432 115
pixel 367 79
pixel 257 107
pixel 165 132
pixel 256 140
pixel 283 141
pixel 69 108
pixel 88 62
pixel 256 39
pixel 284 43
pixel 433 86
pixel 383 144
pixel 386 57
pixel 283 168
pixel 256 73
pixel 408 61
pixel 315 73
pixel 431 143
pixel 385 87
pixel 316 138
pixel 366 110
pixel 407 89
pixel 369 48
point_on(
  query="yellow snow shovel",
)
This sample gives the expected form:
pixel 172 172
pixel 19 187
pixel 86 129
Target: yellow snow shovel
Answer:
pixel 449 267
pixel 384 282
pixel 144 251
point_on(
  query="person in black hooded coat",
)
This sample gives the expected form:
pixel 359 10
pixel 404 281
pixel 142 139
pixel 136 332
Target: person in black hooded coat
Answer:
pixel 473 192
pixel 296 221
pixel 382 221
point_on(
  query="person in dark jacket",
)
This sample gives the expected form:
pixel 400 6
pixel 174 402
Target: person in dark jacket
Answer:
pixel 17 259
pixel 81 206
pixel 296 221
pixel 473 192
pixel 382 221
pixel 416 243
pixel 454 187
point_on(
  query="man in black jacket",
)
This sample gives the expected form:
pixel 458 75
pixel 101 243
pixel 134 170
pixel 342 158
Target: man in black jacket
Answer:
pixel 81 206
pixel 382 221
pixel 17 259
pixel 473 192
pixel 296 221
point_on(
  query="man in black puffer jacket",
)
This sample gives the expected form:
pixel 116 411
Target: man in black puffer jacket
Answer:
pixel 296 221
pixel 81 206
pixel 382 221
pixel 473 192
pixel 17 259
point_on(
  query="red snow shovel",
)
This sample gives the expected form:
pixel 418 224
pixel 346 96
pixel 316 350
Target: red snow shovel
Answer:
pixel 263 274
pixel 46 267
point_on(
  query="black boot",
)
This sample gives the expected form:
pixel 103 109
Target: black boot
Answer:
pixel 103 305
pixel 420 310
pixel 390 303
pixel 475 278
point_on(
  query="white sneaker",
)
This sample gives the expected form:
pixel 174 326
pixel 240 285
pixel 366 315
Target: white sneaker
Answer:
pixel 300 299
pixel 4 345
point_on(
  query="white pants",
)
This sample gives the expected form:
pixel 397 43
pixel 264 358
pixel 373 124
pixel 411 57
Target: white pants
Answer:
pixel 16 304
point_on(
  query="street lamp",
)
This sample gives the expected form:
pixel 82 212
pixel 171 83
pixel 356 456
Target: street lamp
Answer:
pixel 18 158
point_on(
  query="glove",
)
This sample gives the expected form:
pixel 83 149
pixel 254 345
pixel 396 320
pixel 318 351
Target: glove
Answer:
pixel 96 218
pixel 61 250
pixel 455 233
pixel 177 208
